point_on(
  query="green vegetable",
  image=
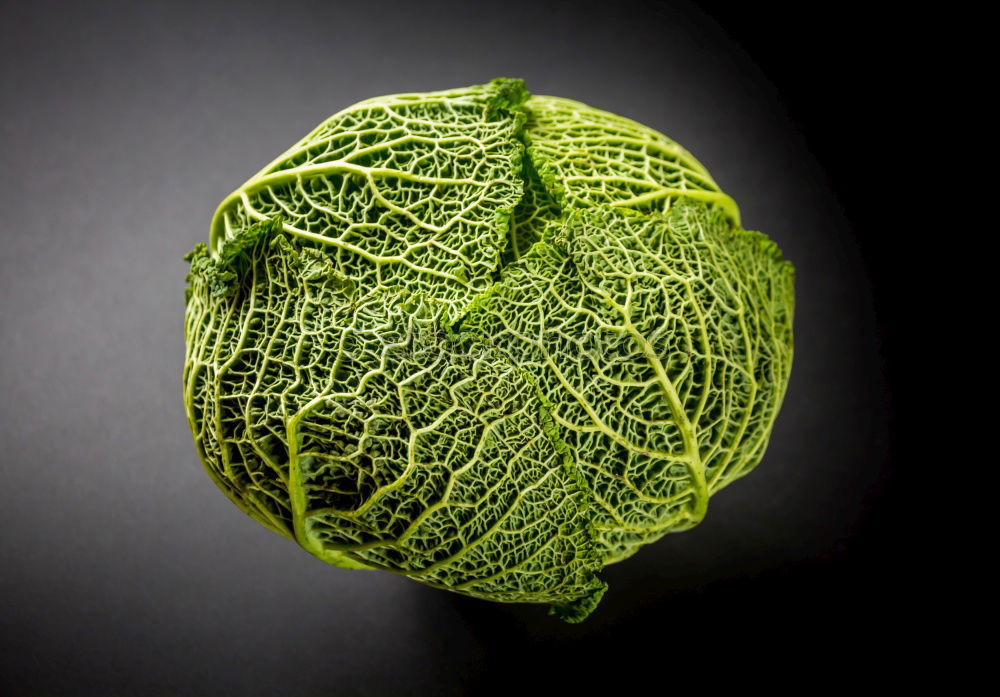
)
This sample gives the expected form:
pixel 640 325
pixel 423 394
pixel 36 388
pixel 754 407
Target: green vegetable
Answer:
pixel 489 341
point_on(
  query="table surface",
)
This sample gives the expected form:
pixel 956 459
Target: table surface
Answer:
pixel 125 571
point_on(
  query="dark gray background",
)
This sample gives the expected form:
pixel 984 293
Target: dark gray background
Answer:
pixel 124 571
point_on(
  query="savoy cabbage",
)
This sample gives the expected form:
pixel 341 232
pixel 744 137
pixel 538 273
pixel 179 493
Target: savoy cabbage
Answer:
pixel 487 340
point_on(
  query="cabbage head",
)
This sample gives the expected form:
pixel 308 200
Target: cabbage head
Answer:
pixel 486 340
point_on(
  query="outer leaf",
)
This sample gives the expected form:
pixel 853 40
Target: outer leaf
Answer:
pixel 412 188
pixel 355 425
pixel 581 157
pixel 663 345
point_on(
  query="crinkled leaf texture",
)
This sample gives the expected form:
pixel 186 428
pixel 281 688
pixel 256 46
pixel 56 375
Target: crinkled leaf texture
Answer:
pixel 489 341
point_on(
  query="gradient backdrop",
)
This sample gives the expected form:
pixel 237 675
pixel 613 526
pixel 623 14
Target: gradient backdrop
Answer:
pixel 124 571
